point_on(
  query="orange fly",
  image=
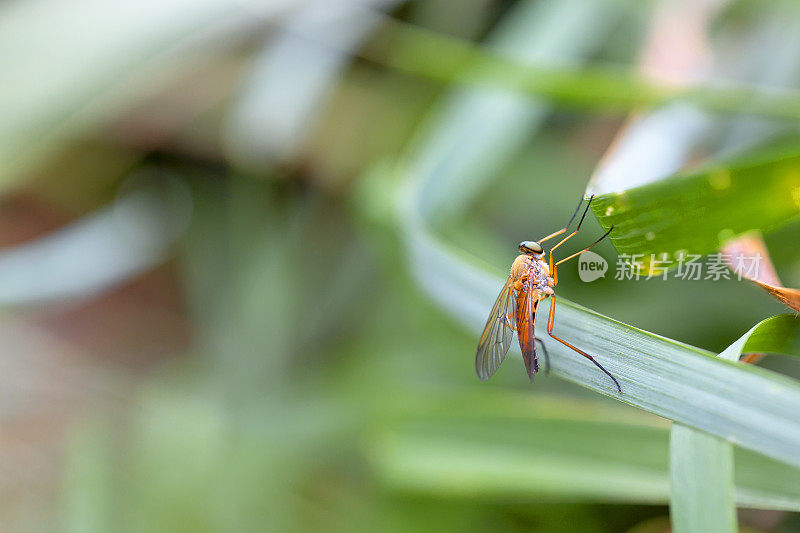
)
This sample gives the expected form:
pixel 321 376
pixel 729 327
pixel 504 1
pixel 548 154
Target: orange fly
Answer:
pixel 528 284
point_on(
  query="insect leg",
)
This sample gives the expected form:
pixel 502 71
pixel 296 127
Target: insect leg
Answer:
pixel 579 253
pixel 554 268
pixel 562 230
pixel 550 322
pixel 546 355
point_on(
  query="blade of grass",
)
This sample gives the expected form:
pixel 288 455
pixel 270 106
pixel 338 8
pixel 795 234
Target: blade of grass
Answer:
pixel 701 473
pixel 498 444
pixel 701 466
pixel 778 334
pixel 424 53
pixel 464 149
pixel 697 213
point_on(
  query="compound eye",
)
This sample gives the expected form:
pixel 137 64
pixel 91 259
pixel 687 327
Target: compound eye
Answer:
pixel 530 247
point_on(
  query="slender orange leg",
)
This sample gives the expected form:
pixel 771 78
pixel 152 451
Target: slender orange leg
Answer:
pixel 554 273
pixel 562 230
pixel 587 248
pixel 554 268
pixel 546 355
pixel 550 322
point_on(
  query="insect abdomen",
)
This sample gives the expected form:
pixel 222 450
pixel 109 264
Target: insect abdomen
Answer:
pixel 526 317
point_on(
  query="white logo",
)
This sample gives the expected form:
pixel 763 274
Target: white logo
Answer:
pixel 591 266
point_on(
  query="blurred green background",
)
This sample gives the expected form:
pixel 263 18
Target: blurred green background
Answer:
pixel 210 323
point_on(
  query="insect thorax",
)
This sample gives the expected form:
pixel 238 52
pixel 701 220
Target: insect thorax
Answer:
pixel 533 269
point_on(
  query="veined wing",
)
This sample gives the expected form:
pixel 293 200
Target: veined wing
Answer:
pixel 497 334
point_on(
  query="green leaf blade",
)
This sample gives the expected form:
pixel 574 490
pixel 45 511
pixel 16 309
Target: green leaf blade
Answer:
pixel 701 465
pixel 697 213
pixel 778 335
pixel 490 443
pixel 600 88
pixel 701 475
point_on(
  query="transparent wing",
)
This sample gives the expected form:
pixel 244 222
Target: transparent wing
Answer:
pixel 497 334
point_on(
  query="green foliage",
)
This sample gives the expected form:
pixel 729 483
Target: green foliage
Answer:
pixel 778 334
pixel 491 443
pixel 701 468
pixel 329 382
pixel 697 213
pixel 424 53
